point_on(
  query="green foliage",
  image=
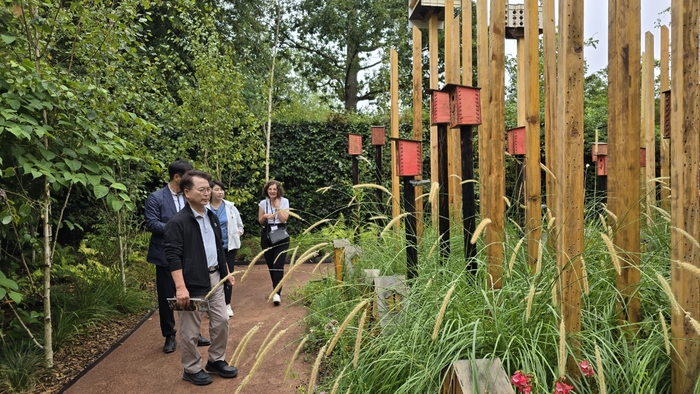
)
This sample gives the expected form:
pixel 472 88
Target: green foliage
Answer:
pixel 481 323
pixel 18 364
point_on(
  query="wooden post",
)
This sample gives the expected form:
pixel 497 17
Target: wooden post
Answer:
pixel 570 208
pixel 418 113
pixel 519 192
pixel 394 86
pixel 551 142
pixel 533 188
pixel 452 77
pixel 685 201
pixel 648 124
pixel 492 174
pixel 433 48
pixel 482 63
pixel 623 147
pixel 665 144
pixel 467 23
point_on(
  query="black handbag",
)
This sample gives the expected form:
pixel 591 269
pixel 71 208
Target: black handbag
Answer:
pixel 277 235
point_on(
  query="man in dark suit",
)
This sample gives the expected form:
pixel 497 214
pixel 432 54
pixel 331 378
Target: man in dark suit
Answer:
pixel 160 206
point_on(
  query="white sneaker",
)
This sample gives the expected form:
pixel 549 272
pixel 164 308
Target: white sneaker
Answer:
pixel 229 310
pixel 276 299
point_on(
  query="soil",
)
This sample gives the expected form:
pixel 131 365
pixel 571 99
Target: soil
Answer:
pixel 126 355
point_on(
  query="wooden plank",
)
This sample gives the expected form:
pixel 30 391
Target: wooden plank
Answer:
pixel 476 376
pixel 455 153
pixel 570 208
pixel 433 49
pixel 418 114
pixel 685 201
pixel 533 181
pixel 394 91
pixel 649 124
pixel 482 64
pixel 665 144
pixel 492 174
pixel 551 142
pixel 623 147
pixel 467 58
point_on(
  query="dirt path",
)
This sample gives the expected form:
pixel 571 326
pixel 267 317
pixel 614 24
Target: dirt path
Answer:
pixel 139 365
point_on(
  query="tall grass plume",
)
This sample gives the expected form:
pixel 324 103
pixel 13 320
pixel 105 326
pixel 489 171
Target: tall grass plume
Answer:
pixel 358 340
pixel 343 326
pixel 613 253
pixel 669 293
pixel 482 225
pixel 288 372
pixel 664 330
pixel 441 314
pixel 314 370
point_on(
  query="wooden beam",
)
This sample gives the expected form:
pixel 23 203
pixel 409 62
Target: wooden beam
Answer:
pixel 433 49
pixel 482 64
pixel 570 208
pixel 467 60
pixel 418 114
pixel 492 174
pixel 394 91
pixel 454 154
pixel 531 86
pixel 648 124
pixel 665 144
pixel 623 147
pixel 685 201
pixel 551 142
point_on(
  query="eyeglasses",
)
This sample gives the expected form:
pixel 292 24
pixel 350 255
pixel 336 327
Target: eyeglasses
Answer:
pixel 203 190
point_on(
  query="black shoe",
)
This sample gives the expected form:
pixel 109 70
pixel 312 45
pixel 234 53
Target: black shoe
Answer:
pixel 200 378
pixel 169 346
pixel 203 341
pixel 224 370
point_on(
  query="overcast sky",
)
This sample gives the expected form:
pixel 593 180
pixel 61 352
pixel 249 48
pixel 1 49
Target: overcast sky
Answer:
pixel 595 16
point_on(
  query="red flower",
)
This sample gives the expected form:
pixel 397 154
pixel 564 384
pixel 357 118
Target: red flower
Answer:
pixel 586 368
pixel 521 381
pixel 562 388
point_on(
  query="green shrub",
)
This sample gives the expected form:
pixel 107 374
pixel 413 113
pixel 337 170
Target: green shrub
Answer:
pixel 18 363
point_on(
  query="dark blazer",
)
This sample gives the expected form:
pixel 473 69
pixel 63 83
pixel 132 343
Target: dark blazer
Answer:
pixel 159 208
pixel 184 249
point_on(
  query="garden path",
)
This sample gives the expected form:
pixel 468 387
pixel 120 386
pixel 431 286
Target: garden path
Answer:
pixel 138 364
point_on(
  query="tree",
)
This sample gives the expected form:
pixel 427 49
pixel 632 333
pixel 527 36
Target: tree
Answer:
pixel 340 45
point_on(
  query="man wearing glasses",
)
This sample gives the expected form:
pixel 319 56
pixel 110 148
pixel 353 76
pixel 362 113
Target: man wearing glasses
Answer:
pixel 193 249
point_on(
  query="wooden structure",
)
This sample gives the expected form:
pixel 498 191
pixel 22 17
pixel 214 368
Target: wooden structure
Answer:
pixel 390 293
pixel 394 130
pixel 551 143
pixel 418 113
pixel 685 200
pixel 476 377
pixel 665 121
pixel 648 127
pixel 624 142
pixel 570 202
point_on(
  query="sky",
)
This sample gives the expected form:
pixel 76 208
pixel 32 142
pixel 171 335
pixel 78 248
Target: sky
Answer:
pixel 595 19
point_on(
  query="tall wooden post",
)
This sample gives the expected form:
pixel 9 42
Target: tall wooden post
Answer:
pixel 570 208
pixel 492 174
pixel 418 114
pixel 482 64
pixel 685 201
pixel 467 23
pixel 394 87
pixel 623 146
pixel 648 124
pixel 533 184
pixel 452 59
pixel 665 143
pixel 551 142
pixel 433 49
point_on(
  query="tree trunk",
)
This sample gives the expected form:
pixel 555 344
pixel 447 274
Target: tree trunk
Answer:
pixel 353 68
pixel 48 343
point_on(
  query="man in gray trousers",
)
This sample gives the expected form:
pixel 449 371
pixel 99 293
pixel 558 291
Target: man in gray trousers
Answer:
pixel 196 259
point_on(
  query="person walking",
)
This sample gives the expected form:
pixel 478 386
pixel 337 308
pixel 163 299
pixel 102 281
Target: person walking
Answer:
pixel 231 230
pixel 160 206
pixel 196 260
pixel 273 212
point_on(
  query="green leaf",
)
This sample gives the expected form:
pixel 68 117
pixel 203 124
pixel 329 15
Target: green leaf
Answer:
pixel 100 191
pixel 94 180
pixel 6 217
pixel 2 293
pixel 9 171
pixel 8 283
pixel 73 164
pixel 118 186
pixel 16 297
pixel 8 39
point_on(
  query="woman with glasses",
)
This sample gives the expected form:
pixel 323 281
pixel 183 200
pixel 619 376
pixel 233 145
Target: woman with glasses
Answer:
pixel 273 212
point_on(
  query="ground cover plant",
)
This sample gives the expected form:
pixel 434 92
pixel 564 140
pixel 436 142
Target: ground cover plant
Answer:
pixel 450 314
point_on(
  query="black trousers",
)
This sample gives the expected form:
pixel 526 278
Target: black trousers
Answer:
pixel 165 287
pixel 275 259
pixel 230 259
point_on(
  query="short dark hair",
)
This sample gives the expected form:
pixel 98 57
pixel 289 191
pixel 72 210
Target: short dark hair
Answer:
pixel 280 189
pixel 179 167
pixel 186 182
pixel 217 183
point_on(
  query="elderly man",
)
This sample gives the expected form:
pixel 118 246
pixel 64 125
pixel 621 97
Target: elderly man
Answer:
pixel 193 248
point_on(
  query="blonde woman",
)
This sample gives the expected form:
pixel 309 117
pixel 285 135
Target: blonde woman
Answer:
pixel 273 214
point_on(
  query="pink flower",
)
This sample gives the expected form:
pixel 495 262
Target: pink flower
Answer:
pixel 562 388
pixel 521 381
pixel 586 368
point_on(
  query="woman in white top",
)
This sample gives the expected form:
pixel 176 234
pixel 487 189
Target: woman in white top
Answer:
pixel 272 214
pixel 231 229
